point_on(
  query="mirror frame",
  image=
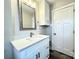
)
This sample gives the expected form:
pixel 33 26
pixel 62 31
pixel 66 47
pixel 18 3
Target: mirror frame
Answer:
pixel 21 19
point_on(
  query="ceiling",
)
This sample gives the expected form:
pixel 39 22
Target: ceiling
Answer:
pixel 55 1
pixel 50 1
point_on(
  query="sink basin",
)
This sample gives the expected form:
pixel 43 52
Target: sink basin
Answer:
pixel 24 43
pixel 20 43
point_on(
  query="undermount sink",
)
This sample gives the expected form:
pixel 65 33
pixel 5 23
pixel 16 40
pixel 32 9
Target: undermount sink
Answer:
pixel 24 43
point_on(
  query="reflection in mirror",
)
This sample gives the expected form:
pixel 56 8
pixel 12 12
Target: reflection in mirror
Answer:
pixel 27 17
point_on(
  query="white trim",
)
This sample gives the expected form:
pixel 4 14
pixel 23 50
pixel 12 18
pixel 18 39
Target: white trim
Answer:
pixel 71 4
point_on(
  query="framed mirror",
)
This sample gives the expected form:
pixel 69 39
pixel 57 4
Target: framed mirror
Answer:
pixel 27 17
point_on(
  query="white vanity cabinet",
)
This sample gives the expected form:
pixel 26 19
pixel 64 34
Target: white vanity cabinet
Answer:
pixel 37 50
pixel 43 12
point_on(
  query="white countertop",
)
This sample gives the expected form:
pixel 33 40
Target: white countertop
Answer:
pixel 20 44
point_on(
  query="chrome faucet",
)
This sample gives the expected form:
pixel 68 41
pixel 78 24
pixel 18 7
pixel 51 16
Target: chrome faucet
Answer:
pixel 31 34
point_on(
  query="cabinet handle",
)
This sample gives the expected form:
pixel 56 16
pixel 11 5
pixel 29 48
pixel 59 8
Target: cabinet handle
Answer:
pixel 47 47
pixel 36 56
pixel 39 54
pixel 47 56
pixel 54 33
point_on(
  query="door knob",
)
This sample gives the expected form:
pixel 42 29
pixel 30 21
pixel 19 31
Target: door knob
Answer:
pixel 47 56
pixel 54 33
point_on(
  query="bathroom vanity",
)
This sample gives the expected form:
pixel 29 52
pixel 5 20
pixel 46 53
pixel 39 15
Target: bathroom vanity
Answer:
pixel 36 47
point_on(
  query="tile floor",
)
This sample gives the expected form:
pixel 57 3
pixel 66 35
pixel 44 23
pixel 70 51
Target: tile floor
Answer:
pixel 58 55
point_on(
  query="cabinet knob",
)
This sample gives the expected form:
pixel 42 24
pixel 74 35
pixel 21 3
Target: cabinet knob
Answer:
pixel 39 54
pixel 36 56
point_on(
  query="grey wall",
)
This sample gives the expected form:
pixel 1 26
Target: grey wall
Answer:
pixel 8 30
pixel 11 27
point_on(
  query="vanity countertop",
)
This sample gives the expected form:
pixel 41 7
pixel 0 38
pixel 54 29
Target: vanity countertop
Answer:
pixel 20 44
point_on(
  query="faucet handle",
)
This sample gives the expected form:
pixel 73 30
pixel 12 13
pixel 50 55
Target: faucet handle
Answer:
pixel 31 34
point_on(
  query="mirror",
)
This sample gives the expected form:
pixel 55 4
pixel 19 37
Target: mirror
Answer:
pixel 26 16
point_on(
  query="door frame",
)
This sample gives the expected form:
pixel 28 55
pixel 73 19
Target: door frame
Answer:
pixel 54 10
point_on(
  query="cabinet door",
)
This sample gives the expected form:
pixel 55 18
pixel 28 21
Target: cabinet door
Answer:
pixel 30 52
pixel 32 55
pixel 47 15
pixel 42 53
pixel 43 13
pixel 44 49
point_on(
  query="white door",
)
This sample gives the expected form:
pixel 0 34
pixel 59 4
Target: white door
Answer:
pixel 58 31
pixel 63 30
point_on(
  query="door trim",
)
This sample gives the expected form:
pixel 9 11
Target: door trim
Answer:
pixel 68 5
pixel 57 48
